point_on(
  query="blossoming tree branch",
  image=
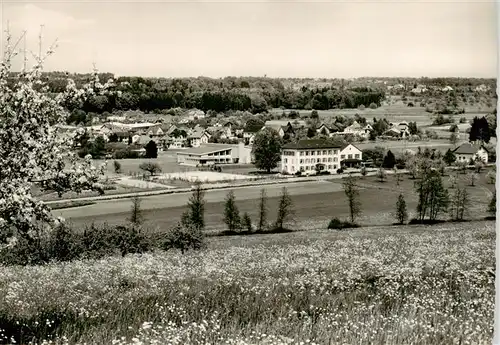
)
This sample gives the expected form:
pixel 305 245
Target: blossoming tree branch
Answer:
pixel 31 151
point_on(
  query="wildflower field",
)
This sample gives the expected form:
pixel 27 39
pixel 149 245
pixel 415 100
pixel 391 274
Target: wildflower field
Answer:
pixel 392 285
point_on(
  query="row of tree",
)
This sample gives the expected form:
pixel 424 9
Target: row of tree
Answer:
pixel 252 94
pixel 433 198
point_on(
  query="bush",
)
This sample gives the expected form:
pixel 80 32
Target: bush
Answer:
pixel 373 106
pixel 183 237
pixel 117 166
pixel 361 107
pixel 124 154
pixel 337 224
pixel 66 244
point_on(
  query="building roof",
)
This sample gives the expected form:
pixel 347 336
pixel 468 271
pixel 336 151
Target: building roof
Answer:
pixel 252 128
pixel 311 144
pixel 276 127
pixel 468 149
pixel 205 149
pixel 355 125
pixel 197 134
pixel 347 145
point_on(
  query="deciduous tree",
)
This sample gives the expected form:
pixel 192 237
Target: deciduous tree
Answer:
pixel 150 167
pixel 31 150
pixel 351 191
pixel 401 212
pixel 267 149
pixel 459 203
pixel 433 198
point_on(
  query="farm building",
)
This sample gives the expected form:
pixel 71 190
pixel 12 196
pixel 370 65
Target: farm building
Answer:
pixel 467 152
pixel 210 154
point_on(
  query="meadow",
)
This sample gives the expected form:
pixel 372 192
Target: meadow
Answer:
pixel 312 209
pixel 393 113
pixel 377 285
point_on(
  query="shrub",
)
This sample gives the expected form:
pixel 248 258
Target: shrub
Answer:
pixel 126 153
pixel 491 177
pixel 117 166
pixel 337 224
pixel 131 240
pixel 246 222
pixel 361 107
pixel 66 244
pixel 184 237
pixel 373 106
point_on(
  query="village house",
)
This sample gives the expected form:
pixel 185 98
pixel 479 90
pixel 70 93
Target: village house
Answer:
pixel 198 137
pixel 282 127
pixel 357 129
pixel 210 154
pixel 249 133
pixel 468 152
pixel 309 156
pixel 195 114
pixel 328 130
pixel 351 157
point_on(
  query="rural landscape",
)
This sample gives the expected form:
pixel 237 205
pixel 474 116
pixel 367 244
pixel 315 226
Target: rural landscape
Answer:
pixel 244 210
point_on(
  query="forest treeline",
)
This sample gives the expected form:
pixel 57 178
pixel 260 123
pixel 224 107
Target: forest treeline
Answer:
pixel 255 94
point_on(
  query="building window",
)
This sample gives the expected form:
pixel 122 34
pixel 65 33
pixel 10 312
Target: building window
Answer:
pixel 307 153
pixel 335 159
pixel 329 159
pixel 356 156
pixel 342 156
pixel 329 152
pixel 307 167
pixel 318 153
pixel 329 167
pixel 301 153
pixel 312 153
pixel 318 160
pixel 286 160
pixel 301 161
pixel 324 160
pixel 349 156
pixel 324 152
pixel 293 168
pixel 335 152
pixel 335 166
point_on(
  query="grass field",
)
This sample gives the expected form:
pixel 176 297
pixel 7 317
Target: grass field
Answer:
pixel 378 285
pixel 393 113
pixel 311 210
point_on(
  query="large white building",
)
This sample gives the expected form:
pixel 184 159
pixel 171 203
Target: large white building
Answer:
pixel 210 154
pixel 311 155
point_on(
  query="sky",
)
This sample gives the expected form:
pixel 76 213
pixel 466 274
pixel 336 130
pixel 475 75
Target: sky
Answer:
pixel 317 39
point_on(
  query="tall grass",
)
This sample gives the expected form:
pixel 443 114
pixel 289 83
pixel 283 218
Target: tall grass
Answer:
pixel 432 287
